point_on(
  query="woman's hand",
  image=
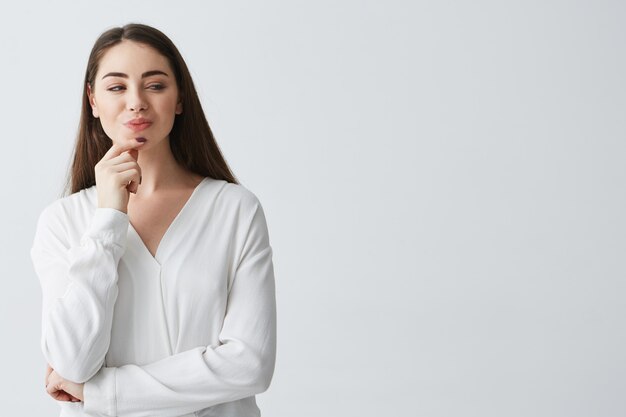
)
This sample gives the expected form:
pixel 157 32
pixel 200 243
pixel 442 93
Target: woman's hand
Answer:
pixel 61 389
pixel 117 174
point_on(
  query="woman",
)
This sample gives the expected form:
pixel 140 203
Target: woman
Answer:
pixel 156 272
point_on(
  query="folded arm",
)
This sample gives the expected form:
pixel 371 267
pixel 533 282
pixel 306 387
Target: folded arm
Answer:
pixel 241 365
pixel 79 286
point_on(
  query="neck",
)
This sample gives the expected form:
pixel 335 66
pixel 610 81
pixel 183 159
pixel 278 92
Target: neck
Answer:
pixel 160 171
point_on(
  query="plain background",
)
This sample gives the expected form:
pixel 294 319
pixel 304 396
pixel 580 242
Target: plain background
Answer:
pixel 443 183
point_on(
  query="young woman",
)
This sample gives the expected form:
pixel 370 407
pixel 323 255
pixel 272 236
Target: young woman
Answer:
pixel 156 271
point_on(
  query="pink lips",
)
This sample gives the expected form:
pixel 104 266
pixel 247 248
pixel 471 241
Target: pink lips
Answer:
pixel 138 124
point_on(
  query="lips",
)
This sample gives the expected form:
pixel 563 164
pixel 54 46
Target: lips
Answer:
pixel 138 124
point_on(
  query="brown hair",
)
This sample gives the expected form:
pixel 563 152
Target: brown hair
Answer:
pixel 191 139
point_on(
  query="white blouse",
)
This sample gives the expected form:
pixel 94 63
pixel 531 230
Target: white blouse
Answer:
pixel 190 331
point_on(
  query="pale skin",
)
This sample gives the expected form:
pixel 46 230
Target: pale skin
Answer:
pixel 135 80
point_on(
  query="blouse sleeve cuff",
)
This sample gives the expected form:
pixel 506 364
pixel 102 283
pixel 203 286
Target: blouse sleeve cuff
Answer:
pixel 109 225
pixel 99 394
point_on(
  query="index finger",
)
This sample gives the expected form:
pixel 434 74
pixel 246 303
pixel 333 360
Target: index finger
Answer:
pixel 116 149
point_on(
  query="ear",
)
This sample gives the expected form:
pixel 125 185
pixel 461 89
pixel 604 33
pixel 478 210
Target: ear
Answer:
pixel 92 101
pixel 179 106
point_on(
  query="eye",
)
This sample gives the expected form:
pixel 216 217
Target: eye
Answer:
pixel 115 88
pixel 156 87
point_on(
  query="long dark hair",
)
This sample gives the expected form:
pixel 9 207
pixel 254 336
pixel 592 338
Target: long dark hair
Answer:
pixel 191 139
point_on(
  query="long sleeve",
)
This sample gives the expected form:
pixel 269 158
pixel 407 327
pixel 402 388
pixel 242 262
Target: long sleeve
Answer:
pixel 79 286
pixel 239 366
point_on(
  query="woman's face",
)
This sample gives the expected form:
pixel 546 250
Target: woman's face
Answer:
pixel 135 94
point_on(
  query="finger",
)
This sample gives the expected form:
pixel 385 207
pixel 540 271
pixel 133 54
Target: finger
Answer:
pixel 122 163
pixel 125 156
pixel 117 149
pixel 54 389
pixel 48 372
pixel 131 177
pixel 125 166
pixel 134 153
pixel 62 396
pixel 131 174
pixel 51 385
pixel 70 397
pixel 54 381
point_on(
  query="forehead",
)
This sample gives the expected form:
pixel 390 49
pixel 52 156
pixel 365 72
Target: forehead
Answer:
pixel 132 58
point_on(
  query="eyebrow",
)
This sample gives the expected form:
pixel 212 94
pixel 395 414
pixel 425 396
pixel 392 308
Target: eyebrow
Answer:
pixel 144 75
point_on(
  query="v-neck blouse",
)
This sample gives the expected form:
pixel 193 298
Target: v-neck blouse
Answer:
pixel 190 331
pixel 158 258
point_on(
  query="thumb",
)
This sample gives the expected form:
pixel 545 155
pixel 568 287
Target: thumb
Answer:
pixel 134 153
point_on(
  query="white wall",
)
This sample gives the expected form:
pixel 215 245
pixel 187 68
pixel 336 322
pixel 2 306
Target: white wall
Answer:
pixel 443 183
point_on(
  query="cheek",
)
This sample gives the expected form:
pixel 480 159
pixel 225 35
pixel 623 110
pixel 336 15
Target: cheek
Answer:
pixel 168 104
pixel 166 111
pixel 108 109
pixel 109 117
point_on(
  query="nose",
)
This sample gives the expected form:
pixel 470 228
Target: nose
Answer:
pixel 136 100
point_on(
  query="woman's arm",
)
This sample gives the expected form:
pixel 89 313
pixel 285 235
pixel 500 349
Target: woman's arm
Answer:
pixel 79 286
pixel 240 366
